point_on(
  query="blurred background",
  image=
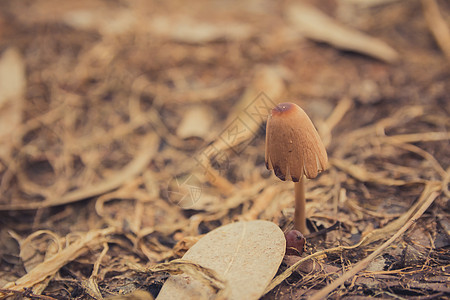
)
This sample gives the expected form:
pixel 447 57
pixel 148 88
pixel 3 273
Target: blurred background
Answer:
pixel 149 117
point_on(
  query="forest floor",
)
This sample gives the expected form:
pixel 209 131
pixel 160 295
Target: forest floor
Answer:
pixel 129 129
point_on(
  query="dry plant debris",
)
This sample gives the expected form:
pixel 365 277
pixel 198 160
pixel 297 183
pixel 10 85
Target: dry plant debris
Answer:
pixel 107 178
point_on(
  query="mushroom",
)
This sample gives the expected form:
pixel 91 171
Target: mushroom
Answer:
pixel 294 148
pixel 295 242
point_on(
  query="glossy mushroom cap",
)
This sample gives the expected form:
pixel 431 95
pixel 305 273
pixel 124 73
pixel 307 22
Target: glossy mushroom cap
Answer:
pixel 293 146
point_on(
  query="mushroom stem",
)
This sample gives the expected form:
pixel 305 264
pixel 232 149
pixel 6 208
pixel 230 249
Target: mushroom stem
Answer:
pixel 300 207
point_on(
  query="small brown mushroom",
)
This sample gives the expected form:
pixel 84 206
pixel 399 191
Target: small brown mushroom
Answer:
pixel 294 148
pixel 295 242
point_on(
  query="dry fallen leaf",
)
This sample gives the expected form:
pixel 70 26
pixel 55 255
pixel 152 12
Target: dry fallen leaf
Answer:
pixel 317 26
pixel 245 254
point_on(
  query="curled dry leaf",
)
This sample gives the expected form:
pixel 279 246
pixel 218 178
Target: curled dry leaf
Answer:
pixel 245 254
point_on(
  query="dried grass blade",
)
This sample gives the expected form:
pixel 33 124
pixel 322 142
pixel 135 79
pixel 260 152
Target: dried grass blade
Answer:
pixel 417 137
pixel 363 175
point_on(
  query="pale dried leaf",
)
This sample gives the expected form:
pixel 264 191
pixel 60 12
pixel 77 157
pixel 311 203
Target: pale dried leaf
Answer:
pixel 246 254
pixel 191 30
pixel 196 122
pixel 12 76
pixel 12 87
pixel 107 21
pixel 317 26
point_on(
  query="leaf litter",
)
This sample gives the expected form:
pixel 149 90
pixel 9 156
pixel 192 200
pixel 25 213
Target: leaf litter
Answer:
pixel 90 204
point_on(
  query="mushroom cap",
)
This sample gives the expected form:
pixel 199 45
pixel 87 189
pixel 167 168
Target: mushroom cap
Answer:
pixel 293 146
